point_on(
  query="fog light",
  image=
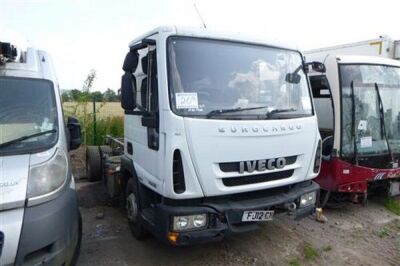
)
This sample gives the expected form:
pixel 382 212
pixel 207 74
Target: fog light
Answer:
pixel 189 222
pixel 308 199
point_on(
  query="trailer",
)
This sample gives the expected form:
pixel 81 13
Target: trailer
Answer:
pixel 220 135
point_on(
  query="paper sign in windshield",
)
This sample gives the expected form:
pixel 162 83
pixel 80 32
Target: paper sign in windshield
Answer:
pixel 366 142
pixel 362 125
pixel 186 100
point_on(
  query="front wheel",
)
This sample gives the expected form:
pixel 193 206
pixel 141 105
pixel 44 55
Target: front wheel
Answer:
pixel 133 211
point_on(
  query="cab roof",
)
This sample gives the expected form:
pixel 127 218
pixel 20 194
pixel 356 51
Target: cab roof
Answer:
pixel 211 34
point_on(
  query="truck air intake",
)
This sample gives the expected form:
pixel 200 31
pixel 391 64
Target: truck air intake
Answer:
pixel 178 176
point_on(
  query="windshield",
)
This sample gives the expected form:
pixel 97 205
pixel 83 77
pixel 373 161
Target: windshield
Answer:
pixel 370 126
pixel 27 107
pixel 211 77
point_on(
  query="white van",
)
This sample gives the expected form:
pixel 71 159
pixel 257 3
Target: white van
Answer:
pixel 39 214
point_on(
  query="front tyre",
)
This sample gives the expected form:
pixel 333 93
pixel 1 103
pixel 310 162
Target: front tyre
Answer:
pixel 133 210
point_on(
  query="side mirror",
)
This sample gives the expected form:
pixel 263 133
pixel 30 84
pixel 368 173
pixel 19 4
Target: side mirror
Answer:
pixel 293 78
pixel 74 129
pixel 317 66
pixel 128 92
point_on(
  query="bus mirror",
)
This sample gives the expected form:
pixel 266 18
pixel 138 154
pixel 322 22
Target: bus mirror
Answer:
pixel 318 67
pixel 128 92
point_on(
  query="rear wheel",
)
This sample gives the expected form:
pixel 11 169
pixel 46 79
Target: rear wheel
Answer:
pixel 93 163
pixel 134 211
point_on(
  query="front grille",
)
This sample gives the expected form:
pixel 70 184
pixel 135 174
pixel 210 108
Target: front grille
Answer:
pixel 235 166
pixel 253 179
pixel 1 242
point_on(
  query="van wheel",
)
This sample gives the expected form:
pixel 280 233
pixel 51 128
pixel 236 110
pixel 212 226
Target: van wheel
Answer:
pixel 93 163
pixel 133 210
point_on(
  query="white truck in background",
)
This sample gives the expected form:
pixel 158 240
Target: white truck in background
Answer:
pixel 40 222
pixel 384 46
pixel 220 135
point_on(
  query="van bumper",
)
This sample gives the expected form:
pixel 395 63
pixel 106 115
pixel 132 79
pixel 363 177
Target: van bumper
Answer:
pixel 50 232
pixel 225 213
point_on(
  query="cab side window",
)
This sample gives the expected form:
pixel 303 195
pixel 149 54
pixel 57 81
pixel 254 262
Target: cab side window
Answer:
pixel 146 80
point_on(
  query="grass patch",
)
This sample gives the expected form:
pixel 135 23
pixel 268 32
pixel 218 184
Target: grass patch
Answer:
pixel 383 233
pixel 310 253
pixel 392 205
pixel 327 248
pixel 294 262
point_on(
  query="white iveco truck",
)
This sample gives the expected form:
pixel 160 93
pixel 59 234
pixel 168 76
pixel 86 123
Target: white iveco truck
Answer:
pixel 39 213
pixel 220 135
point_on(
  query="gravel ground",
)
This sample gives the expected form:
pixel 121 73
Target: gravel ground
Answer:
pixel 353 235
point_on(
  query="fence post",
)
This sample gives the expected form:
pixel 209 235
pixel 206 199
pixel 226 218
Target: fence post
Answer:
pixel 94 121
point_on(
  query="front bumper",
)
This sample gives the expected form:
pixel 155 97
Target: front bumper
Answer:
pixel 225 213
pixel 49 233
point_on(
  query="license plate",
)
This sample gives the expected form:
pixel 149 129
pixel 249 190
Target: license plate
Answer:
pixel 252 216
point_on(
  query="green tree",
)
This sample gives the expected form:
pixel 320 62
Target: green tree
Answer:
pixel 97 96
pixel 110 96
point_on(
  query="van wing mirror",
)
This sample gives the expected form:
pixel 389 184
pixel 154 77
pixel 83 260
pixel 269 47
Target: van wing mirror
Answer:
pixel 128 92
pixel 317 66
pixel 74 129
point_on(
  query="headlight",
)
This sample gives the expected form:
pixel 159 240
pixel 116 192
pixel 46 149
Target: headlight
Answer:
pixel 189 222
pixel 308 199
pixel 48 176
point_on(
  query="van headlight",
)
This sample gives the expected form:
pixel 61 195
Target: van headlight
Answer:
pixel 47 178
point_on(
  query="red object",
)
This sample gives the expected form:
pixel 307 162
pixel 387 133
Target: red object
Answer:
pixel 337 175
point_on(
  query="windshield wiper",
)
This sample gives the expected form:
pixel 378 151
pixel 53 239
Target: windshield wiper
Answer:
pixel 382 118
pixel 276 111
pixel 238 109
pixel 8 143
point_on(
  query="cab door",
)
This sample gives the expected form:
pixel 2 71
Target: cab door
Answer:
pixel 142 124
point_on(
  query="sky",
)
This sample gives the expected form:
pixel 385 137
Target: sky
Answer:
pixel 94 34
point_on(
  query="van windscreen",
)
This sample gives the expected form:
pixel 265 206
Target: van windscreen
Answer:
pixel 27 108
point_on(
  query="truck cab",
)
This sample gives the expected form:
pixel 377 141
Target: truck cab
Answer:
pixel 39 213
pixel 358 114
pixel 220 134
